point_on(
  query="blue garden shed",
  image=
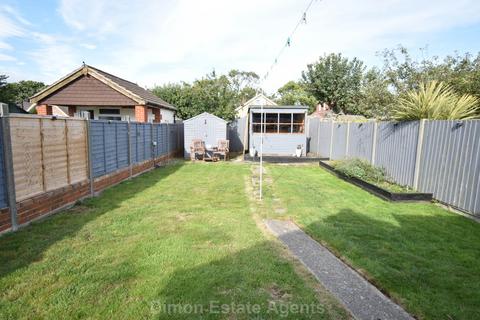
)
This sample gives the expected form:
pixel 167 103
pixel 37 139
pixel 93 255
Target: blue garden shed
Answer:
pixel 206 127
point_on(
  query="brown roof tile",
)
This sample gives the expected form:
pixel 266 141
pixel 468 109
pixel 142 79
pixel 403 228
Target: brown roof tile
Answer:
pixel 146 95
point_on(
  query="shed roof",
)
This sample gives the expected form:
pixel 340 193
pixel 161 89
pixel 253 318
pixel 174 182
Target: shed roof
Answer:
pixel 203 115
pixel 279 107
pixel 125 87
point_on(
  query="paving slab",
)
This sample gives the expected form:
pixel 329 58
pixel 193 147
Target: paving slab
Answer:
pixel 359 296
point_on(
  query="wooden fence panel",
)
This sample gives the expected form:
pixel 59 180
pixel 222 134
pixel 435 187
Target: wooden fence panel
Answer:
pixel 27 156
pixel 77 150
pixel 47 154
pixel 54 144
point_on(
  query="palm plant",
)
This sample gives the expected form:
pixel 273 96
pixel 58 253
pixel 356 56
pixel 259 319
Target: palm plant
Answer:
pixel 436 100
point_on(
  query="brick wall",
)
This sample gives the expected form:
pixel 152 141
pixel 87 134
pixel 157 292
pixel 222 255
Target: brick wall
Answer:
pixel 116 177
pixel 32 208
pixel 47 203
pixel 141 113
pixel 44 204
pixel 44 110
pixel 5 219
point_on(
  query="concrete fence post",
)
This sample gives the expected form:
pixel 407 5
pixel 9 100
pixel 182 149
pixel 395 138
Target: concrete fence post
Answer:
pixel 168 142
pixel 418 157
pixel 374 142
pixel 89 155
pixel 331 141
pixel 179 142
pixel 152 144
pixel 8 167
pixel 104 135
pixel 348 139
pixel 129 140
pixel 318 136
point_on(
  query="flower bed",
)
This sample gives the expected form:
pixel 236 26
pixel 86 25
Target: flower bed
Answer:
pixel 392 193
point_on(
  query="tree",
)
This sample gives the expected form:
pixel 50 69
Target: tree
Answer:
pixel 24 89
pixel 214 95
pixel 438 101
pixel 376 100
pixel 294 93
pixel 4 96
pixel 17 92
pixel 180 95
pixel 244 83
pixel 335 80
pixel 460 72
pixel 219 95
pixel 3 80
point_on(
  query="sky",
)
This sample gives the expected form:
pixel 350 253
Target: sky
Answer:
pixel 155 42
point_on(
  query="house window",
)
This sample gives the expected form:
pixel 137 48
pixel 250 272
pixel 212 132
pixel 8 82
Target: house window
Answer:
pixel 278 123
pixel 110 118
pixel 109 111
pixel 109 114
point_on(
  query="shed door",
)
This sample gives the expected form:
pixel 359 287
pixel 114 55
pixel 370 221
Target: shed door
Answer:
pixel 208 131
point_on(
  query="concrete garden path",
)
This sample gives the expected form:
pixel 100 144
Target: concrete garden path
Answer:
pixel 360 297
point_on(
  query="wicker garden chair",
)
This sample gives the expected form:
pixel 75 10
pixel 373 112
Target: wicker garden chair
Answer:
pixel 197 148
pixel 223 149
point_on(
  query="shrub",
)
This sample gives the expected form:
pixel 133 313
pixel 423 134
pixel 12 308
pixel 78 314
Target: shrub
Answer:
pixel 438 101
pixel 360 169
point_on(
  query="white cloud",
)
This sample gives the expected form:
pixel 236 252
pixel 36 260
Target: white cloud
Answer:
pixel 55 60
pixel 5 57
pixel 154 42
pixel 5 46
pixel 8 26
pixel 88 46
pixel 16 15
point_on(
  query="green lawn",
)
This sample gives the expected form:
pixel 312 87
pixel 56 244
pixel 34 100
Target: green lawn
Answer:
pixel 184 234
pixel 425 257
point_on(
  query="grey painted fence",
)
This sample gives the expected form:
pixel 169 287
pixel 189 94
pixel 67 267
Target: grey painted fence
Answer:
pixel 450 163
pixel 109 141
pixel 339 147
pixel 396 147
pixel 319 133
pixel 360 141
pixel 109 146
pixel 236 134
pixel 447 163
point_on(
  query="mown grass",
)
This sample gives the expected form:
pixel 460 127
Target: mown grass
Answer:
pixel 180 235
pixel 423 256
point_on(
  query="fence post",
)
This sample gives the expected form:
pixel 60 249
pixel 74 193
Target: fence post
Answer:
pixel 374 142
pixel 348 139
pixel 331 141
pixel 318 136
pixel 129 131
pixel 418 157
pixel 168 142
pixel 89 154
pixel 66 151
pixel 152 144
pixel 104 134
pixel 8 166
pixel 177 130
